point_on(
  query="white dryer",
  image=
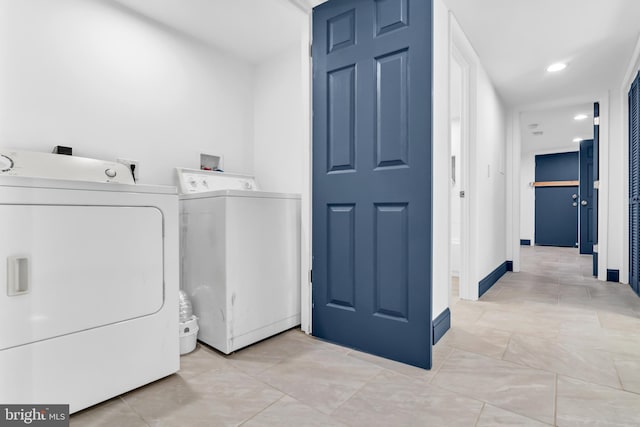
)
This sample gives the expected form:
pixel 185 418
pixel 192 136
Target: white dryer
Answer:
pixel 90 269
pixel 240 250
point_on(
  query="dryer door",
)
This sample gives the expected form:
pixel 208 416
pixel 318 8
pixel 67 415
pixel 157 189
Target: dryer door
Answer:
pixel 72 268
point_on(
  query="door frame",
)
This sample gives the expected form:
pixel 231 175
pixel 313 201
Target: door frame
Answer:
pixel 603 192
pixel 463 54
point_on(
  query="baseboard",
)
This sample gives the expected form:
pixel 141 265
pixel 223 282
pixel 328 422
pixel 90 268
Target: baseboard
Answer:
pixel 441 325
pixel 613 275
pixel 485 284
pixel 525 242
pixel 509 265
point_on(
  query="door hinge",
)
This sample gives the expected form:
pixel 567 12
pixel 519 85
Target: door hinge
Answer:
pixel 596 185
pixel 310 276
pixel 462 194
pixel 596 121
pixel 311 50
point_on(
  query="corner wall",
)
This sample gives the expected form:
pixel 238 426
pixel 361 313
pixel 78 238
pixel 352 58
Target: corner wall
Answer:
pixel 486 194
pixel 111 83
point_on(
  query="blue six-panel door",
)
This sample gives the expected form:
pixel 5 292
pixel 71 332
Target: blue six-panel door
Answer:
pixel 372 176
pixel 596 177
pixel 556 215
pixel 587 214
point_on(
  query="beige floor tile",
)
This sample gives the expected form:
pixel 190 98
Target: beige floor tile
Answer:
pixel 391 399
pixel 496 417
pixel 288 412
pixel 628 368
pixel 622 322
pixel 590 365
pixel 526 391
pixel 265 354
pixel 219 396
pixel 113 412
pixel 323 379
pixel 581 404
pixel 477 339
pixel 202 359
pixel 559 320
pixel 391 365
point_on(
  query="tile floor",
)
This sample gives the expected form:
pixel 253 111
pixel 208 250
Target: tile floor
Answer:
pixel 547 346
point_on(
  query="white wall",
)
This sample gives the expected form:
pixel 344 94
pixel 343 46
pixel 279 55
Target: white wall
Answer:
pixel 278 126
pixel 618 191
pixel 110 83
pixel 490 220
pixel 486 193
pixel 441 276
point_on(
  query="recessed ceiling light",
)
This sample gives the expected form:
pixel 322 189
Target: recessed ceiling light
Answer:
pixel 577 139
pixel 533 126
pixel 580 117
pixel 558 66
pixel 537 132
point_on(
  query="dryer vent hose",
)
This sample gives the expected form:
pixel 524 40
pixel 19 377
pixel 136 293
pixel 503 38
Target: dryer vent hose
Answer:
pixel 186 309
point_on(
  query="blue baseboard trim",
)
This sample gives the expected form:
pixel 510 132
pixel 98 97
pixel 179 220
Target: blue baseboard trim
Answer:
pixel 595 264
pixel 524 242
pixel 509 265
pixel 613 275
pixel 441 325
pixel 485 284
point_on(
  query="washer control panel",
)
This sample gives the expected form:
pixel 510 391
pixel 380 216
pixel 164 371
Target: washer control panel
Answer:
pixel 58 166
pixel 198 181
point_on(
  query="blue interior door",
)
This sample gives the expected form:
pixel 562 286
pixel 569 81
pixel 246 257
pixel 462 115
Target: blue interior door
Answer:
pixel 586 207
pixel 634 185
pixel 596 177
pixel 556 212
pixel 372 176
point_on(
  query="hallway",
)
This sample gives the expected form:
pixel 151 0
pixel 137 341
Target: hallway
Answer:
pixel 547 346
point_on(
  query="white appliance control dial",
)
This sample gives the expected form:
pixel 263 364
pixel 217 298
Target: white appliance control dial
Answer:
pixel 111 173
pixel 6 163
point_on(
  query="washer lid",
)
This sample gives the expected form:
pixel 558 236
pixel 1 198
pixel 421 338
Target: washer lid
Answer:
pixel 191 181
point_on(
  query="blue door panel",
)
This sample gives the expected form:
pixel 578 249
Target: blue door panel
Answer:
pixel 556 217
pixel 372 176
pixel 587 226
pixel 596 177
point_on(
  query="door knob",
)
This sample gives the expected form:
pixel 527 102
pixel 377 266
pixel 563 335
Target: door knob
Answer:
pixel 583 203
pixel 574 204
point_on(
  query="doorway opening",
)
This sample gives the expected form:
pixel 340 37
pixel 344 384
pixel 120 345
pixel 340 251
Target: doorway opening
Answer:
pixel 558 174
pixel 459 137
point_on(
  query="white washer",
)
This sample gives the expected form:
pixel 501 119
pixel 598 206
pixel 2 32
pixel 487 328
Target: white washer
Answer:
pixel 240 257
pixel 89 265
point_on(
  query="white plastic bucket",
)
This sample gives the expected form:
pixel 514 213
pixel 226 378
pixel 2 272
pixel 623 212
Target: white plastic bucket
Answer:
pixel 188 335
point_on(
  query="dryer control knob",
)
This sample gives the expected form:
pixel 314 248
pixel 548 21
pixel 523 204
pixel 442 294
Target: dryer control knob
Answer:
pixel 5 163
pixel 110 173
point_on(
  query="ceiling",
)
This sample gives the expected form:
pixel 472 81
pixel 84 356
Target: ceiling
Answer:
pixel 252 30
pixel 558 127
pixel 517 39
